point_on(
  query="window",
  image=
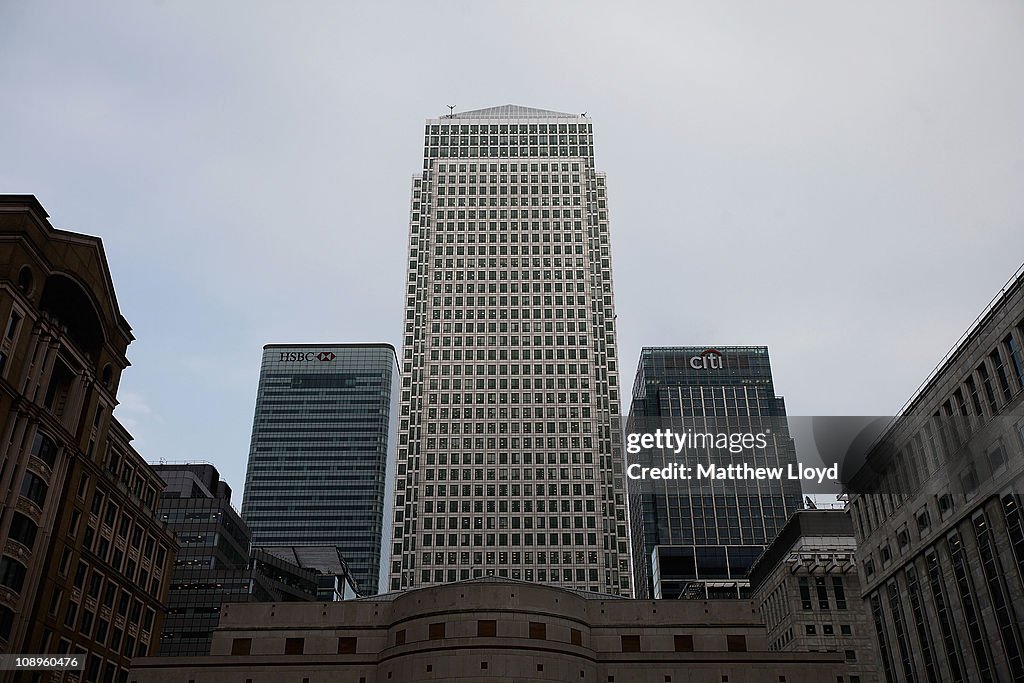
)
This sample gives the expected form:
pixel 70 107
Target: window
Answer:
pixel 805 594
pixel 71 615
pixel 44 448
pixel 12 573
pixel 945 503
pixel 923 521
pixel 810 629
pixel 631 643
pixel 400 637
pixel 684 643
pixel 240 646
pixel 576 636
pixel 294 646
pixel 538 630
pixel 851 655
pixel 886 553
pixel 487 628
pixel 23 530
pixel 6 622
pixel 997 457
pixel 436 631
pixel 347 645
pixel 34 488
pixel 736 643
pixel 839 591
pixel 12 324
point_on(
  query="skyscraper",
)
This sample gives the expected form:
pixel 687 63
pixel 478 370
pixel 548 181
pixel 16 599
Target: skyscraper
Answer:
pixel 510 453
pixel 321 438
pixel 695 537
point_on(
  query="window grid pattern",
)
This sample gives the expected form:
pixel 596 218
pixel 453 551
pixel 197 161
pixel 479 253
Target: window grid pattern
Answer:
pixel 510 454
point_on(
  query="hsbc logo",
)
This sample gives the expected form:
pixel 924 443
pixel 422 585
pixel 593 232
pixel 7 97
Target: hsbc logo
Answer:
pixel 709 359
pixel 306 357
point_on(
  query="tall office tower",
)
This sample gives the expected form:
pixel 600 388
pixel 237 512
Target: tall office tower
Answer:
pixel 937 511
pixel 84 561
pixel 510 458
pixel 322 453
pixel 697 537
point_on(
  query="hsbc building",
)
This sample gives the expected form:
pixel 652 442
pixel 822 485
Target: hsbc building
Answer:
pixel 322 451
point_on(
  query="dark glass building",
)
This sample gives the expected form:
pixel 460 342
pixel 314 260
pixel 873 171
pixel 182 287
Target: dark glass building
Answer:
pixel 322 451
pixel 698 537
pixel 214 565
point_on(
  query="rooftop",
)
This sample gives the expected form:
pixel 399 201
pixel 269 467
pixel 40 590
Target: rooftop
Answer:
pixel 495 580
pixel 511 111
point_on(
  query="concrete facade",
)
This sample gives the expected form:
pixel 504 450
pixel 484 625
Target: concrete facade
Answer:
pixel 490 630
pixel 510 443
pixel 937 513
pixel 807 588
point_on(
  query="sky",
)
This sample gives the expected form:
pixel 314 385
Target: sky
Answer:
pixel 840 181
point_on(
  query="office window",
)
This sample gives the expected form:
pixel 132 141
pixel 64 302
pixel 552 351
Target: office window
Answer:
pixel 241 646
pixel 631 643
pixel 538 630
pixel 436 631
pixel 294 646
pixel 736 643
pixel 347 645
pixel 487 628
pixel 683 643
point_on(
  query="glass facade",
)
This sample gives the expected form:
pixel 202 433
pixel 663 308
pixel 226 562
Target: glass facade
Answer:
pixel 510 453
pixel 321 450
pixel 697 538
pixel 213 565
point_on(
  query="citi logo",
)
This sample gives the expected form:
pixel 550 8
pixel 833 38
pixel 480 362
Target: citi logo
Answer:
pixel 709 359
pixel 300 357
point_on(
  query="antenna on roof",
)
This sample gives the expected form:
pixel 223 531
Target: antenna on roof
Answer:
pixel 451 110
pixel 584 114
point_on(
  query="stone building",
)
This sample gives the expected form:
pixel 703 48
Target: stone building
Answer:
pixel 488 630
pixel 936 509
pixel 808 591
pixel 85 561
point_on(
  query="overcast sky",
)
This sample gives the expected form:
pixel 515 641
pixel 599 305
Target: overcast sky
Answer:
pixel 841 181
